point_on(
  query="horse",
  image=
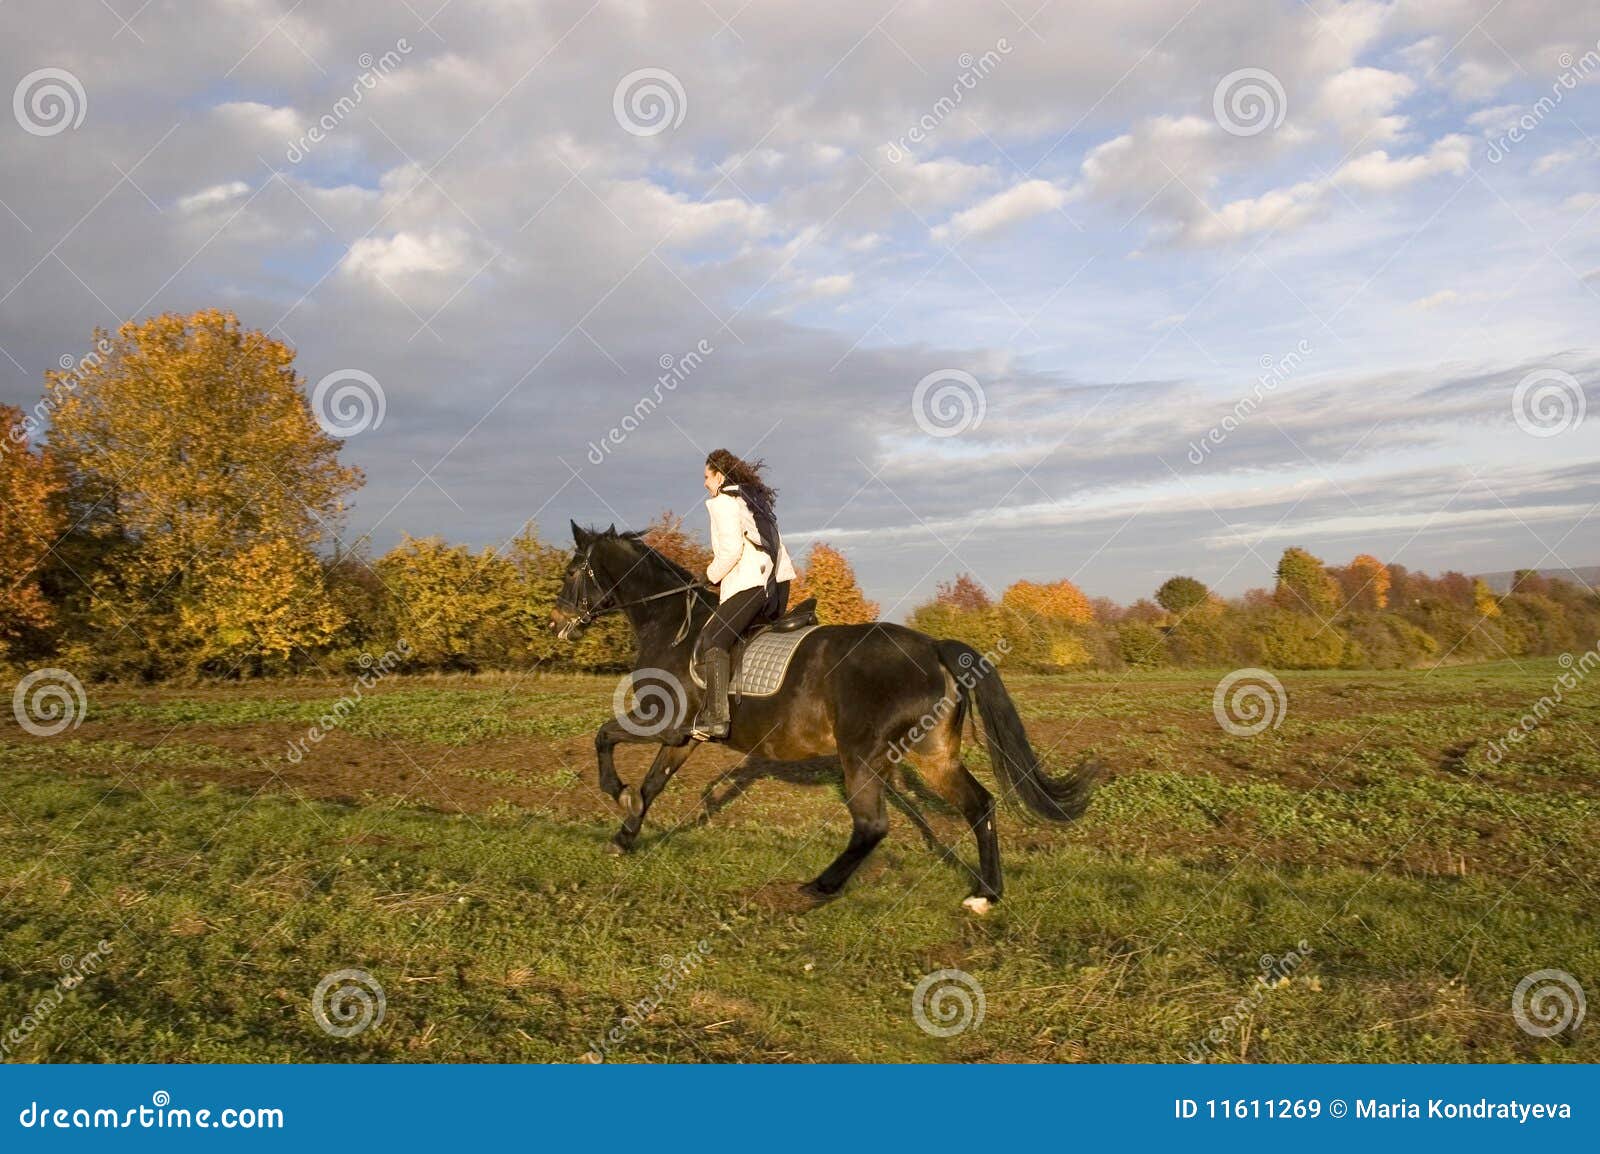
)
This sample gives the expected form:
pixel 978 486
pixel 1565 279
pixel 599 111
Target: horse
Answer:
pixel 873 695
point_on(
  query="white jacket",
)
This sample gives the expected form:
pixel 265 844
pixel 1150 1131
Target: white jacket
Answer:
pixel 737 562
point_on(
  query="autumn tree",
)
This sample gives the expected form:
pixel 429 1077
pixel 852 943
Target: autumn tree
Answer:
pixel 31 519
pixel 1484 600
pixel 1304 585
pixel 195 463
pixel 1363 584
pixel 667 536
pixel 964 594
pixel 1053 601
pixel 827 576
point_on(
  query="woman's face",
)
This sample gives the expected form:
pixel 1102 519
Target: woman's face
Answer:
pixel 714 481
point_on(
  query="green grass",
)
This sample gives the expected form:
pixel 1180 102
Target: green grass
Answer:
pixel 1425 881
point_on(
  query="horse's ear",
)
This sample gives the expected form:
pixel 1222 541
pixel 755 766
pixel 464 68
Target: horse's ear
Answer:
pixel 611 532
pixel 579 537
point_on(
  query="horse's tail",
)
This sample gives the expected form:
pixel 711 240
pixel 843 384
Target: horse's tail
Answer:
pixel 1015 763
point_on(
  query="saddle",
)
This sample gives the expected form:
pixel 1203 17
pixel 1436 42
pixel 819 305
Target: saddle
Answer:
pixel 769 646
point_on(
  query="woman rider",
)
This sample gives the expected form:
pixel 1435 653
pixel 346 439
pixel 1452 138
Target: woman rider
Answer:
pixel 752 567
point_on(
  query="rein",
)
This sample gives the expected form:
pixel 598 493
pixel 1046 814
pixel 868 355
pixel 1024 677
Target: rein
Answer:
pixel 587 613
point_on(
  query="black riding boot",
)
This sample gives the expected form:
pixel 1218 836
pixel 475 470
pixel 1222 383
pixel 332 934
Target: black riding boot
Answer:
pixel 712 723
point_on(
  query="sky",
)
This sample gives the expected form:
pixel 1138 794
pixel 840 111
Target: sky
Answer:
pixel 1009 288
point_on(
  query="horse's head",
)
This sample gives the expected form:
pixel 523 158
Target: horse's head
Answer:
pixel 583 595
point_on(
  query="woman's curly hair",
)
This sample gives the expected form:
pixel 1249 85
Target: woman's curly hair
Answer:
pixel 745 474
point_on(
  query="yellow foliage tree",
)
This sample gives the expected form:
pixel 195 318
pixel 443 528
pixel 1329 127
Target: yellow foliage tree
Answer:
pixel 191 454
pixel 1060 601
pixel 1483 599
pixel 827 576
pixel 31 519
pixel 269 602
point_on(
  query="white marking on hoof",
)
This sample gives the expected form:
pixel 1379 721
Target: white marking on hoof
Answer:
pixel 977 905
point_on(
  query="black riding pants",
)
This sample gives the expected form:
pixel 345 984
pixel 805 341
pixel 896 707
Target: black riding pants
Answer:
pixel 738 613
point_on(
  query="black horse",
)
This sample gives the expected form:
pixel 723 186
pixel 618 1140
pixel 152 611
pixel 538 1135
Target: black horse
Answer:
pixel 872 694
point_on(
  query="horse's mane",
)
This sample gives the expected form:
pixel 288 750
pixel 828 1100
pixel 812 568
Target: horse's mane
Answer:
pixel 661 560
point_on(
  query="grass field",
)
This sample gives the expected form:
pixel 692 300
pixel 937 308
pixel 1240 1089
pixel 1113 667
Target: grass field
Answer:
pixel 449 841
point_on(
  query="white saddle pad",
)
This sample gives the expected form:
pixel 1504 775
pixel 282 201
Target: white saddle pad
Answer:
pixel 764 664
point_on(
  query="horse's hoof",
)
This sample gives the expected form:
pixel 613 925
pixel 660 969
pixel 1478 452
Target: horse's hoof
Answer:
pixel 617 847
pixel 811 893
pixel 978 905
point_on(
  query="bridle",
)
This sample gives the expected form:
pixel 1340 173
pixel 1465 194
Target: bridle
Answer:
pixel 587 612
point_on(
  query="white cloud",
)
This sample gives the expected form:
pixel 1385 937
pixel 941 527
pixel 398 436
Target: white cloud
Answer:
pixel 213 196
pixel 406 255
pixel 1028 199
pixel 1437 300
pixel 1282 208
pixel 1360 101
pixel 1377 172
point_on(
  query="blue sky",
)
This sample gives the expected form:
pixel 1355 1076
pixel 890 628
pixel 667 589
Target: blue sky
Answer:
pixel 1125 217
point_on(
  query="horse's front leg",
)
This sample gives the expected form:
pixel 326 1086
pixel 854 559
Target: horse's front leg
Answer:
pixel 607 738
pixel 669 759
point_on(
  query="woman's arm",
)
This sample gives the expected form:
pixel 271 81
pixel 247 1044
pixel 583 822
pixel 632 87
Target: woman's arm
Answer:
pixel 727 542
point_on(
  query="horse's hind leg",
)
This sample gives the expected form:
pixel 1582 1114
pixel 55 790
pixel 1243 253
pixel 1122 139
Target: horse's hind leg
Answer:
pixel 869 822
pixel 950 779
